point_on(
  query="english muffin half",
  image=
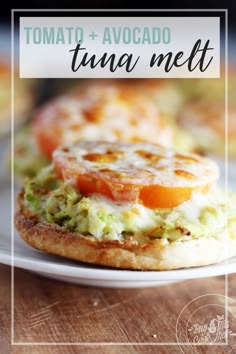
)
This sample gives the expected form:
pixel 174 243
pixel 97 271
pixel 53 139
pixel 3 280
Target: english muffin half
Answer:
pixel 130 206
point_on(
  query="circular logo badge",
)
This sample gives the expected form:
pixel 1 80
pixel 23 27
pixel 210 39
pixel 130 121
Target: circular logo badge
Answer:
pixel 206 321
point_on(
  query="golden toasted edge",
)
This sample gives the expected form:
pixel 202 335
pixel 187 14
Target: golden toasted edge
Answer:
pixel 151 255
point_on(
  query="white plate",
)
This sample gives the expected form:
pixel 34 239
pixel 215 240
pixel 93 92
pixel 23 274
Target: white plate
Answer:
pixel 59 268
pixel 80 273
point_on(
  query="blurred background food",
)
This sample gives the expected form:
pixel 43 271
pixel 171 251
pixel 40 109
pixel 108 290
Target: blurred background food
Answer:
pixel 24 97
pixel 165 93
pixel 27 93
pixel 185 114
pixel 204 114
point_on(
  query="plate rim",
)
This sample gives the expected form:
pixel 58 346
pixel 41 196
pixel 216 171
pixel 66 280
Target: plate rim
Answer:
pixel 85 272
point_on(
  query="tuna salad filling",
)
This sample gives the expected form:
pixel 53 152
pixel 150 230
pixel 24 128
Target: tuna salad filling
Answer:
pixel 52 201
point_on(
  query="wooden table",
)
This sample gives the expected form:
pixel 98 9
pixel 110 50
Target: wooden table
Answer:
pixel 143 320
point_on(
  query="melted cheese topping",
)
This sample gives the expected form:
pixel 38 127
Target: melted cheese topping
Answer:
pixel 136 163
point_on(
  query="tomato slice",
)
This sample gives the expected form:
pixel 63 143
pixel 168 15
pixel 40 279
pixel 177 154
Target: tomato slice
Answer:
pixel 164 197
pixel 45 143
pixel 48 136
pixel 154 196
pixel 144 173
pixel 151 196
pixel 89 185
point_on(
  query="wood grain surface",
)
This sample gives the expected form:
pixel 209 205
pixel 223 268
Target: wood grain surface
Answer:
pixel 104 320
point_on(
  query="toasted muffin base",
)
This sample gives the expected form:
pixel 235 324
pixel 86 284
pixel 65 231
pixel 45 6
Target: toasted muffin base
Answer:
pixel 151 255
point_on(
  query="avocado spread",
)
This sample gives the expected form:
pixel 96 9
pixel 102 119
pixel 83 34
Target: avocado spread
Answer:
pixel 56 202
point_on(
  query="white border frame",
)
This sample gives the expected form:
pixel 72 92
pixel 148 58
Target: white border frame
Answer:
pixel 13 11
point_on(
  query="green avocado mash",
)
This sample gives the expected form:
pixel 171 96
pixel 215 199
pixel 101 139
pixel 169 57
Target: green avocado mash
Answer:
pixel 56 202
